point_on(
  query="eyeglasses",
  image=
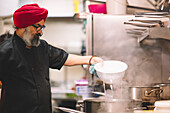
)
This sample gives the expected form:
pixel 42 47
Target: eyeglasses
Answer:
pixel 39 27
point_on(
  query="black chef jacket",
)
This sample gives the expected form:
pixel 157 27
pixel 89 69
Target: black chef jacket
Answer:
pixel 25 75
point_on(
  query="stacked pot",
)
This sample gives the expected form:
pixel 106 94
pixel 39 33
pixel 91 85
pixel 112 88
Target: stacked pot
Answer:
pixel 165 87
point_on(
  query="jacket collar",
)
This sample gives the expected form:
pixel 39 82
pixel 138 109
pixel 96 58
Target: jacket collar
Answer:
pixel 19 40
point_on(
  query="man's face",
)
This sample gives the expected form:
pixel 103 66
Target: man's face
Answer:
pixel 31 35
pixel 31 39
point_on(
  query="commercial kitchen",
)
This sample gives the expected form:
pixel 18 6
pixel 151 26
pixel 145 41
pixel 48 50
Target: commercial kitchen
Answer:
pixel 131 36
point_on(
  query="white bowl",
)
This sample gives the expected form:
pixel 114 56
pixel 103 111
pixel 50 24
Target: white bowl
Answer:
pixel 110 70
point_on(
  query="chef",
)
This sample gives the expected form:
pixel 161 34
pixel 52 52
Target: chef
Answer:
pixel 25 61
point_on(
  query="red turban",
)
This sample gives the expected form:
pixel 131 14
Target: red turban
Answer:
pixel 28 15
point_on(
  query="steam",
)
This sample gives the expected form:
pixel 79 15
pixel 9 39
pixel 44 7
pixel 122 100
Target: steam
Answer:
pixel 114 95
pixel 112 107
pixel 114 99
pixel 143 70
pixel 144 62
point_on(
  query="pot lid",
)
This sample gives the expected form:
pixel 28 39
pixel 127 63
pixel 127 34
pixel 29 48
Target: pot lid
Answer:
pixel 104 100
pixel 164 84
pixel 144 87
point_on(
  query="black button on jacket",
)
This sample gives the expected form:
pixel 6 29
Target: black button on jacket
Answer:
pixel 25 75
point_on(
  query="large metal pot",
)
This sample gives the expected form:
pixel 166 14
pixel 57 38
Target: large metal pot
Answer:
pixel 100 106
pixel 92 105
pixel 103 106
pixel 145 93
pixel 165 87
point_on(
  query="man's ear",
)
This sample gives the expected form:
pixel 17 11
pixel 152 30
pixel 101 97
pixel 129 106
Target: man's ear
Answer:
pixel 20 31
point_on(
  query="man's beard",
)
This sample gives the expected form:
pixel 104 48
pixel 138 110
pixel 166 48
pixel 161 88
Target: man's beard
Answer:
pixel 31 40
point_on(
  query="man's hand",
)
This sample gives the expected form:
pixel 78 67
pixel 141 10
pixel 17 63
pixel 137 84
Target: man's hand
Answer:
pixel 97 60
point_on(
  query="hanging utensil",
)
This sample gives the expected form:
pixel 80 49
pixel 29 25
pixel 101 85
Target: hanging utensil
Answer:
pixel 150 21
pixel 142 24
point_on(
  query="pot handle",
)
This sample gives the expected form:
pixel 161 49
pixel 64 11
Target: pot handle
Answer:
pixel 153 90
pixel 68 110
